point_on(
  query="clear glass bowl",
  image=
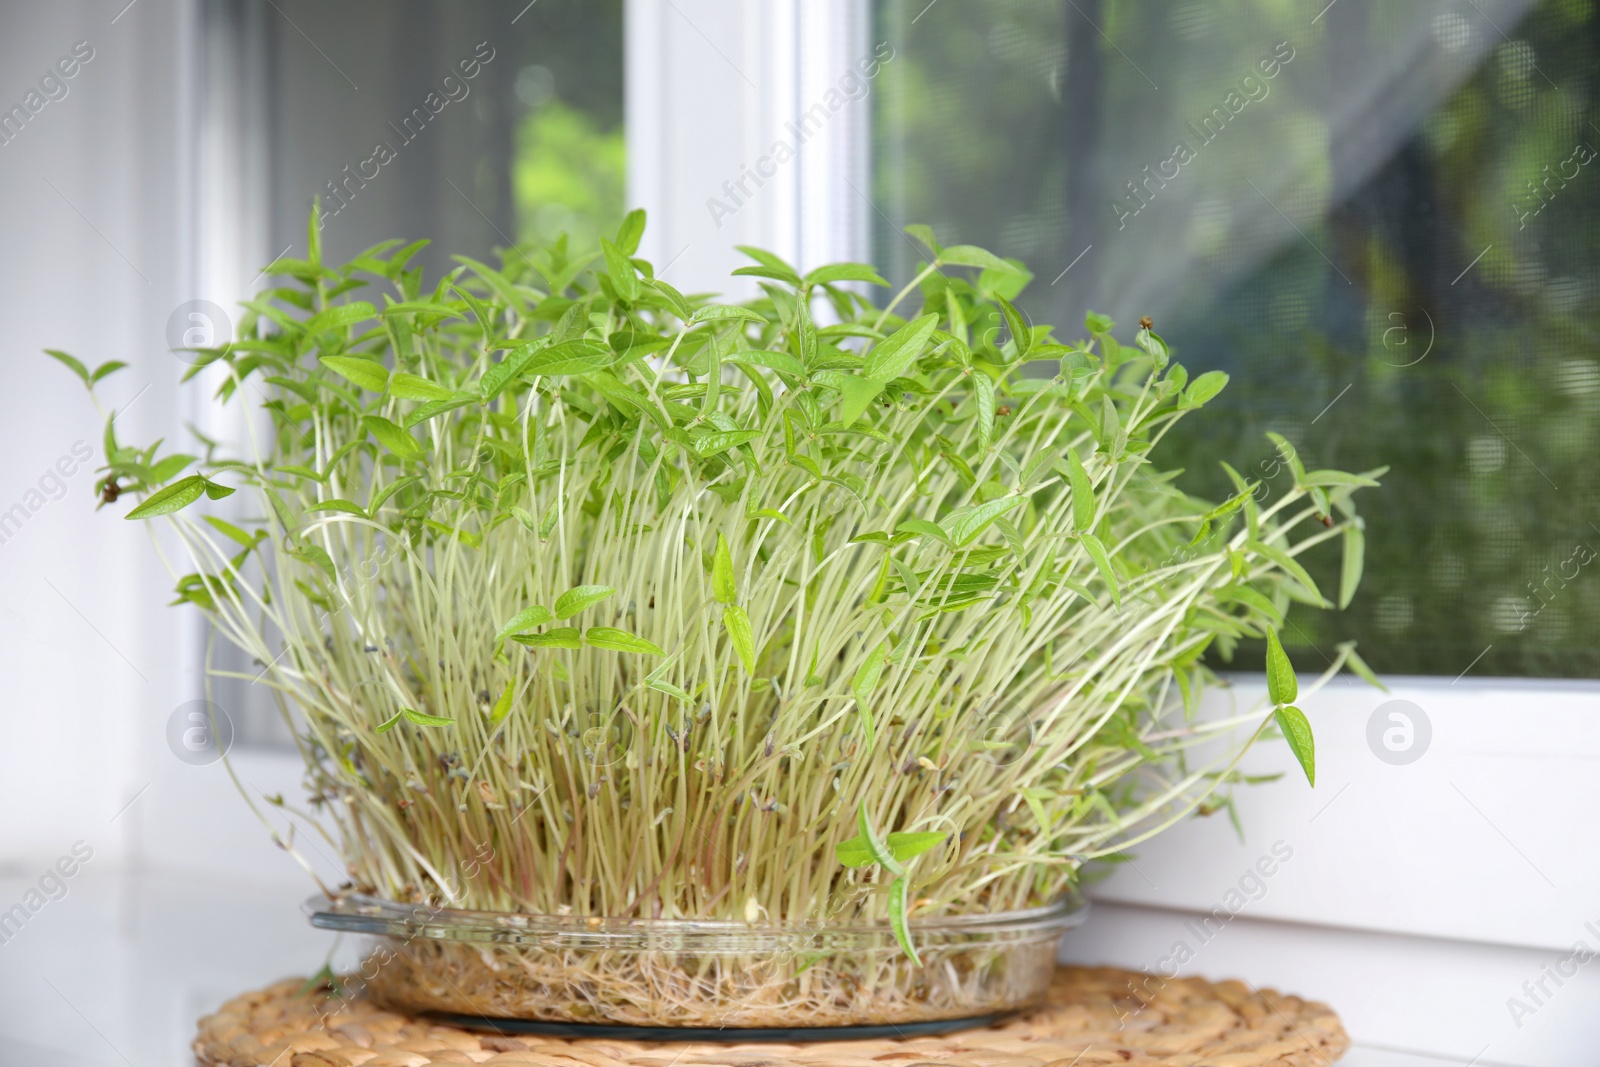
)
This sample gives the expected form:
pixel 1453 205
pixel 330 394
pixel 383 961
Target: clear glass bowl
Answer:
pixel 700 975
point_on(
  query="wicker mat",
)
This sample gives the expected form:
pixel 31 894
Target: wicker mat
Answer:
pixel 1094 1016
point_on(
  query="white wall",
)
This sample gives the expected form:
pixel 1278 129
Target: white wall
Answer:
pixel 94 226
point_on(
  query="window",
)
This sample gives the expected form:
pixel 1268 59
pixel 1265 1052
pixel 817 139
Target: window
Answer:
pixel 472 124
pixel 1380 219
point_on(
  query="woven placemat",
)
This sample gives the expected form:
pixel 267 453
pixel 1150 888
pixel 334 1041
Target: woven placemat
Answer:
pixel 1094 1015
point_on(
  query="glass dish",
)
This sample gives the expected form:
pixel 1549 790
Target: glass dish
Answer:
pixel 678 973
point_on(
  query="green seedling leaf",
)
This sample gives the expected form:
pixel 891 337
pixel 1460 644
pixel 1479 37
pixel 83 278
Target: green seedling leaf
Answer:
pixel 741 635
pixel 782 362
pixel 1287 563
pixel 899 891
pixel 1297 731
pixel 1102 561
pixel 854 852
pixel 389 723
pixel 1322 479
pixel 1204 388
pixel 340 316
pixel 1017 325
pixel 1282 687
pixel 722 440
pixel 1359 667
pixel 424 719
pixel 1355 554
pixel 525 620
pixel 880 850
pixel 844 272
pixel 910 845
pixel 855 396
pixel 72 363
pixel 1083 507
pixel 973 256
pixel 392 437
pixel 724 313
pixel 865 681
pixel 580 597
pixel 624 277
pixel 369 374
pixel 983 397
pixel 615 640
pixel 925 235
pixel 217 492
pixel 502 706
pixel 723 585
pixel 175 497
pixel 560 637
pixel 894 355
pixel 925 528
pixel 345 507
pixel 630 231
pixel 570 357
pixel 414 387
pixel 964 529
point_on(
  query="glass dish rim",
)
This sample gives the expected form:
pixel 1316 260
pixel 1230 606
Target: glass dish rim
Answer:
pixel 366 914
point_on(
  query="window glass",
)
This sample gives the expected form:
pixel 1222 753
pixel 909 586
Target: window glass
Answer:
pixel 1383 220
pixel 476 125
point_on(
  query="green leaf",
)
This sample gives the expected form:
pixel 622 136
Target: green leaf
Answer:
pixel 1204 388
pixel 233 533
pixel 973 256
pixel 724 313
pixel 898 892
pixel 72 363
pixel 925 235
pixel 894 355
pixel 526 619
pixel 1102 562
pixel 880 850
pixel 414 387
pixel 1282 687
pixel 217 492
pixel 983 397
pixel 424 719
pixel 502 706
pixel 866 680
pixel 560 637
pixel 1314 479
pixel 844 272
pixel 854 852
pixel 782 362
pixel 1297 731
pixel 346 506
pixel 340 316
pixel 717 441
pixel 723 585
pixel 1287 563
pixel 580 597
pixel 925 528
pixel 174 497
pixel 1021 332
pixel 856 395
pixel 389 723
pixel 1355 554
pixel 1083 507
pixel 427 411
pixel 966 527
pixel 741 635
pixel 570 357
pixel 630 231
pixel 624 276
pixel 1359 667
pixel 168 468
pixel 369 374
pixel 392 437
pixel 615 640
pixel 910 845
pixel 663 686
